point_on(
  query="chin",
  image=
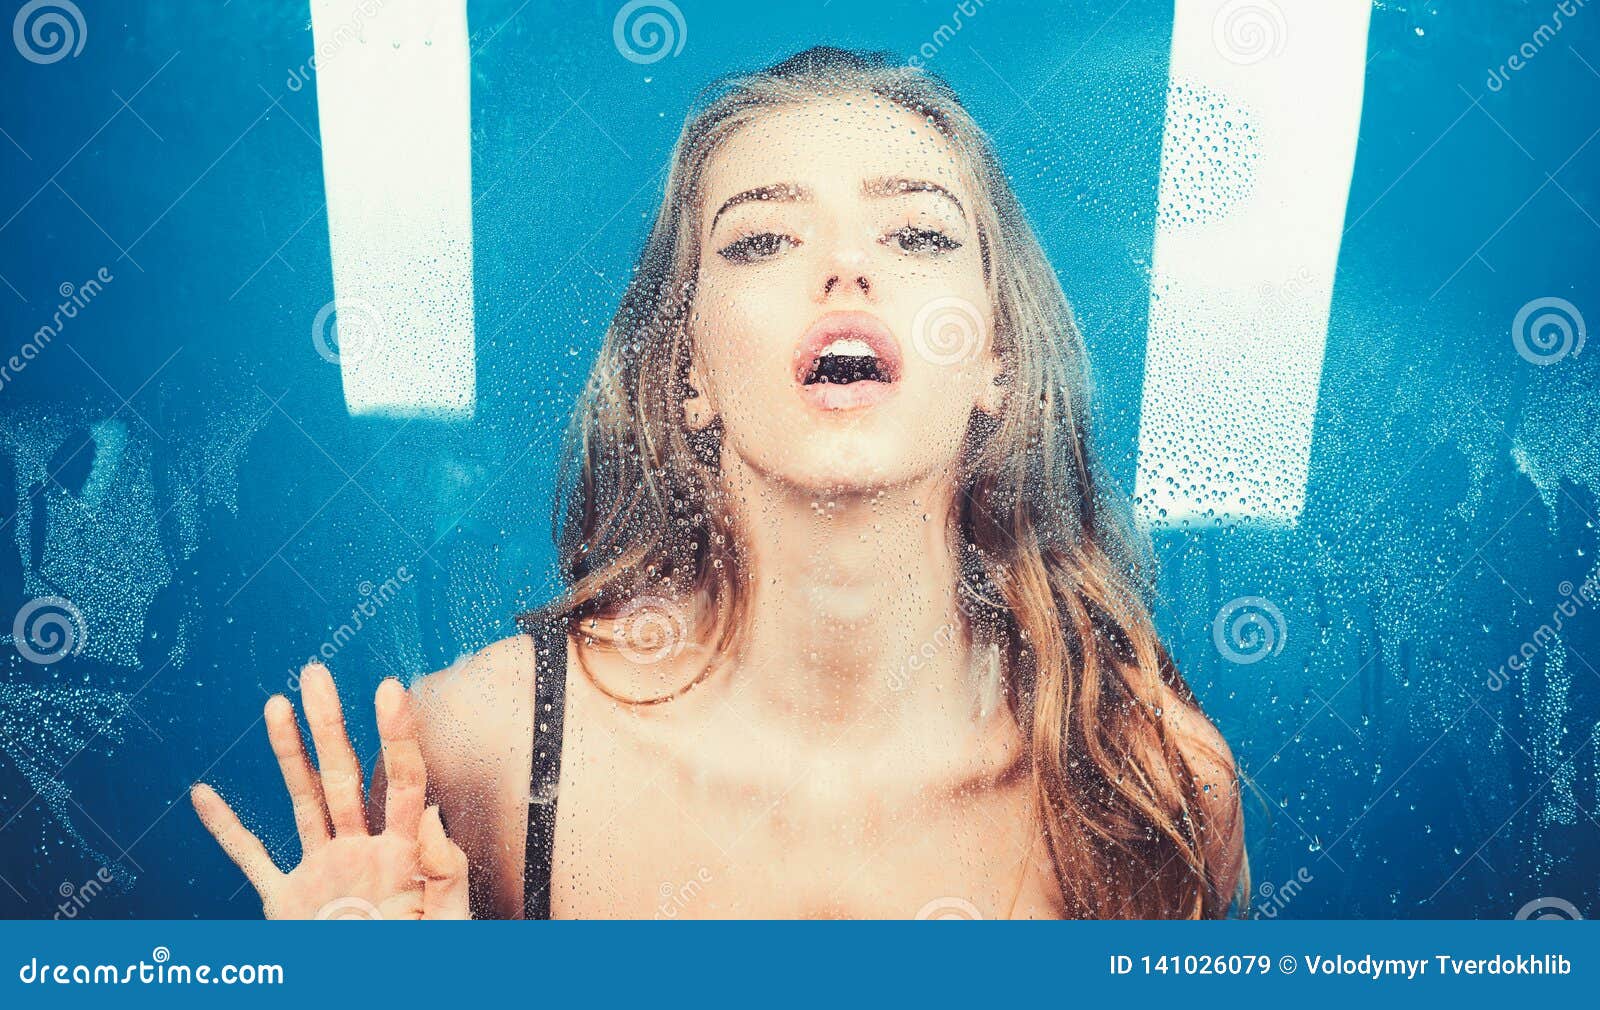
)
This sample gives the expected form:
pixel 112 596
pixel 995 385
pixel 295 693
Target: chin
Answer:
pixel 850 463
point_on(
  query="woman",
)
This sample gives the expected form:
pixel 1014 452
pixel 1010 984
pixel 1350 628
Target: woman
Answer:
pixel 853 627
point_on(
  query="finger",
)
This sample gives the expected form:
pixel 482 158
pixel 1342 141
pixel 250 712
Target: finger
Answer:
pixel 341 772
pixel 305 789
pixel 444 871
pixel 403 768
pixel 244 848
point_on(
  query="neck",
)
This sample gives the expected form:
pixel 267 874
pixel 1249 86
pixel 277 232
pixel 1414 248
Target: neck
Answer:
pixel 855 616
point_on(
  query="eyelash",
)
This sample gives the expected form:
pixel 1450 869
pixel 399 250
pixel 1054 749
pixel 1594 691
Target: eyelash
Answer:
pixel 748 248
pixel 911 240
pixel 923 241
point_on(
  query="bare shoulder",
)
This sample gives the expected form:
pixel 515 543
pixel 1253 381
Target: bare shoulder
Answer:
pixel 480 701
pixel 475 724
pixel 1216 781
pixel 1205 750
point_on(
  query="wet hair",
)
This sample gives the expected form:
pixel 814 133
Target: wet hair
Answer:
pixel 1048 546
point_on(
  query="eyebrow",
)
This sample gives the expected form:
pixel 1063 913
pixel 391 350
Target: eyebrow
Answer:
pixel 897 186
pixel 791 192
pixel 780 192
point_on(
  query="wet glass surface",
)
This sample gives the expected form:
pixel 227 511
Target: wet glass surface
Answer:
pixel 1406 672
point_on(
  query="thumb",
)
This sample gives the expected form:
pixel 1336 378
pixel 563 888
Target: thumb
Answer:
pixel 444 871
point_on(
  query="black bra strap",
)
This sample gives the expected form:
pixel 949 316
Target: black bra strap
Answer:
pixel 549 636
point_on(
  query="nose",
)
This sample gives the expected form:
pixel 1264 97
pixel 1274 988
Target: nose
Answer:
pixel 836 281
pixel 845 272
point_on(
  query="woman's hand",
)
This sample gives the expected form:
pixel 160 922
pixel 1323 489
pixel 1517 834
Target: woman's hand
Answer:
pixel 409 871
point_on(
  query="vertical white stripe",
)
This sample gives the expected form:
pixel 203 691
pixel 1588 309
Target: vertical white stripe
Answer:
pixel 1263 109
pixel 394 105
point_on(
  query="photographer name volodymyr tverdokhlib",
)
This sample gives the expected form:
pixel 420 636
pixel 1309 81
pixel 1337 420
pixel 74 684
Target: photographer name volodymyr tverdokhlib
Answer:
pixel 1380 967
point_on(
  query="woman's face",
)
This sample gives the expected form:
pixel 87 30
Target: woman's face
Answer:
pixel 841 322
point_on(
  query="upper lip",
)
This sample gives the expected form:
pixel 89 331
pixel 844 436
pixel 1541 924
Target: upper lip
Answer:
pixel 862 326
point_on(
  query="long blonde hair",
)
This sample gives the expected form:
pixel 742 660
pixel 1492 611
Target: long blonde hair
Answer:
pixel 1057 559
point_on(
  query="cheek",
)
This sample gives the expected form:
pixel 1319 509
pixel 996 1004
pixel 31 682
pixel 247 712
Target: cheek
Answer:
pixel 744 324
pixel 940 300
pixel 946 321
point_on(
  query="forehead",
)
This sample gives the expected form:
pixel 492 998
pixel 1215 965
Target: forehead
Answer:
pixel 829 143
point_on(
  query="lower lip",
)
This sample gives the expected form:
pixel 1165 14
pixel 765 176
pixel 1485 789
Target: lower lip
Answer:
pixel 849 396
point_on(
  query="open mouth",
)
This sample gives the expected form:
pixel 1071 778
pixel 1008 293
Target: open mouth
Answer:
pixel 847 359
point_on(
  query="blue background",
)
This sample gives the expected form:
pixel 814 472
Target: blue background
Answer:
pixel 179 462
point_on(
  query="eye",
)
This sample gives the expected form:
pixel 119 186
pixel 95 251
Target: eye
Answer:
pixel 915 240
pixel 760 246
